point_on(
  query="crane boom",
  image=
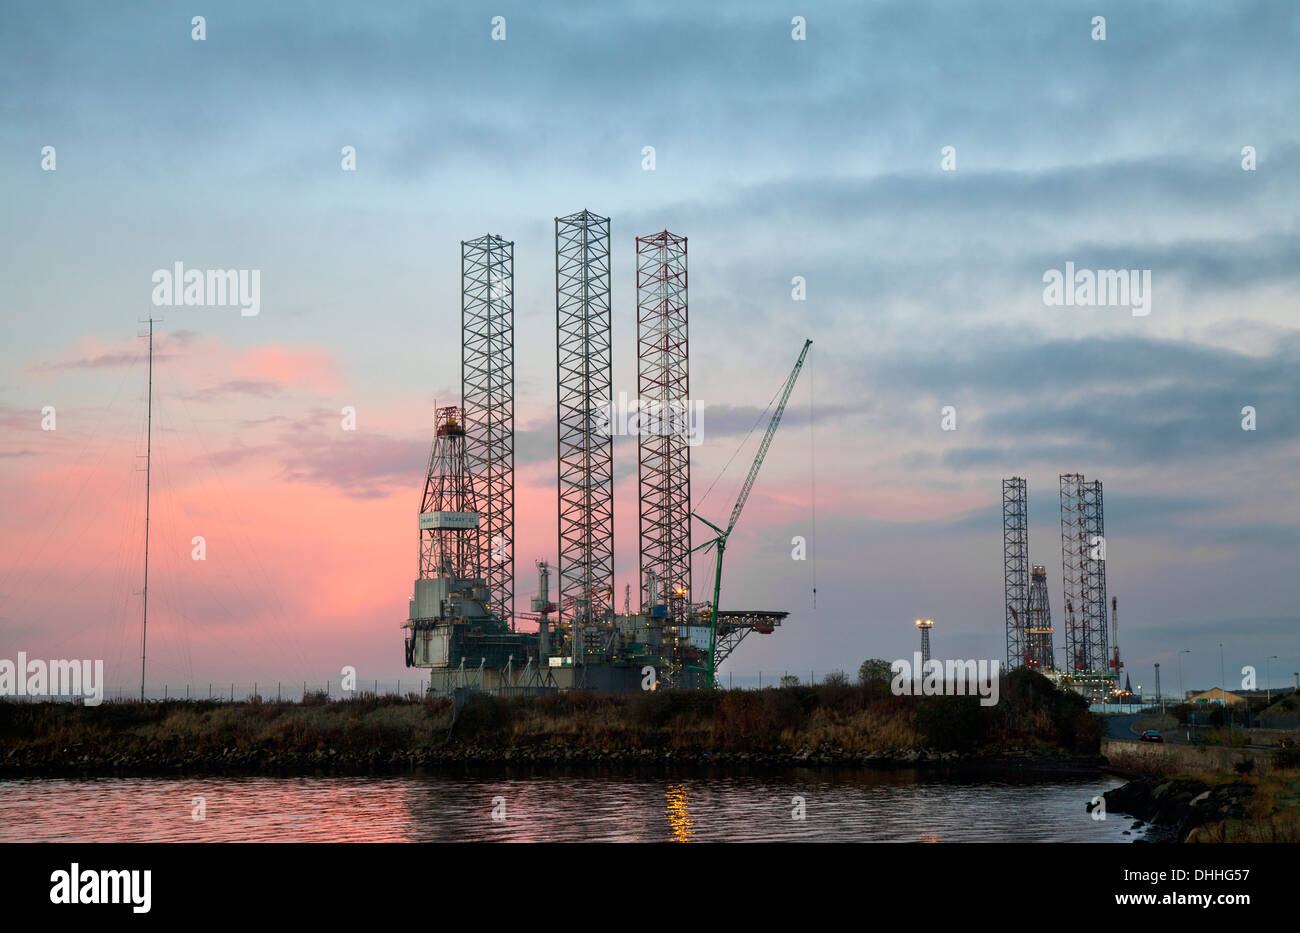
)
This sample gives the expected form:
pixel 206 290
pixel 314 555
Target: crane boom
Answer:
pixel 719 543
pixel 767 438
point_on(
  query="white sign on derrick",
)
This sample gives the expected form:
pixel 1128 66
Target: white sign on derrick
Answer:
pixel 452 520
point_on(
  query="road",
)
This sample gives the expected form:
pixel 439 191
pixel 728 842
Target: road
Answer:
pixel 1121 727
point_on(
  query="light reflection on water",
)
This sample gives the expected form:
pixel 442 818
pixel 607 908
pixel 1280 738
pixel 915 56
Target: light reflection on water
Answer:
pixel 678 812
pixel 841 806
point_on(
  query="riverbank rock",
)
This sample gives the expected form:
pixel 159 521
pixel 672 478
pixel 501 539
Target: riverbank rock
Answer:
pixel 1176 808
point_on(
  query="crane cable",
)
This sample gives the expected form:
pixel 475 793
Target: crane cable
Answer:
pixel 812 470
pixel 761 417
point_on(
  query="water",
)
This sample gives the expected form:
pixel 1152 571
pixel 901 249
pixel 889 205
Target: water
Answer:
pixel 849 806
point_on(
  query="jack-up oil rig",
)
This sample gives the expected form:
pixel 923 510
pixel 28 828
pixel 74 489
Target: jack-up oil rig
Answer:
pixel 462 624
pixel 1091 667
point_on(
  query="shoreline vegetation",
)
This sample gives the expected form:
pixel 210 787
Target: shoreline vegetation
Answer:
pixel 1213 806
pixel 1175 803
pixel 1034 726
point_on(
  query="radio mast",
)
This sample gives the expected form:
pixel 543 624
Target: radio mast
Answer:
pixel 148 463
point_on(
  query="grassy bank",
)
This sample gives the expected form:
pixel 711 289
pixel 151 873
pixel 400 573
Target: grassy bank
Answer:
pixel 1225 803
pixel 1215 806
pixel 825 723
pixel 854 719
pixel 1272 811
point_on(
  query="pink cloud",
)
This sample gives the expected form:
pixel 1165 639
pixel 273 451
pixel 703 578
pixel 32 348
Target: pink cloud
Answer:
pixel 297 367
pixel 211 367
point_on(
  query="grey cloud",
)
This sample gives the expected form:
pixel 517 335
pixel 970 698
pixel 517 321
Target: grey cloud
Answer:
pixel 250 387
pixel 1120 400
pixel 361 466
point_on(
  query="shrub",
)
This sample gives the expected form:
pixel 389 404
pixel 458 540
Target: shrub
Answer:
pixel 951 723
pixel 481 713
pixel 874 673
pixel 1233 737
pixel 1288 757
pixel 786 708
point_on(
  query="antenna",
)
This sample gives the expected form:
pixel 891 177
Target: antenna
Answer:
pixel 148 463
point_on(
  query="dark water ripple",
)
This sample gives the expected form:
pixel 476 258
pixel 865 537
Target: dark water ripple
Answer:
pixel 853 806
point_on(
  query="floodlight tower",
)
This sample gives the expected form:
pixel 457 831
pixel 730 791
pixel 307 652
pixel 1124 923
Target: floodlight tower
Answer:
pixel 924 625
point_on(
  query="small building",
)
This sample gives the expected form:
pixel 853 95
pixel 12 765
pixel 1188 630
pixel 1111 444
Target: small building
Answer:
pixel 1216 695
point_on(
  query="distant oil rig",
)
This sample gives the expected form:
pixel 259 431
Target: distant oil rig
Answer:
pixel 1092 660
pixel 462 623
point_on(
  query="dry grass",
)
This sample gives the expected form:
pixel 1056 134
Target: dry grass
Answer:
pixel 59 729
pixel 852 719
pixel 769 720
pixel 1272 815
pixel 1227 736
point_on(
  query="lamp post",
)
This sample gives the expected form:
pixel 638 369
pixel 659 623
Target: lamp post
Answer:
pixel 1158 694
pixel 1268 690
pixel 1183 693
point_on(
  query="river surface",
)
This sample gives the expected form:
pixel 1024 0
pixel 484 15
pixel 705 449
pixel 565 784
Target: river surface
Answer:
pixel 851 806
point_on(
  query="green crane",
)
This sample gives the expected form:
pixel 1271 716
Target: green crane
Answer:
pixel 720 542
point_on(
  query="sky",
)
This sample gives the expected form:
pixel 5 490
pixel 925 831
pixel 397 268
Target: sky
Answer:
pixel 821 158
